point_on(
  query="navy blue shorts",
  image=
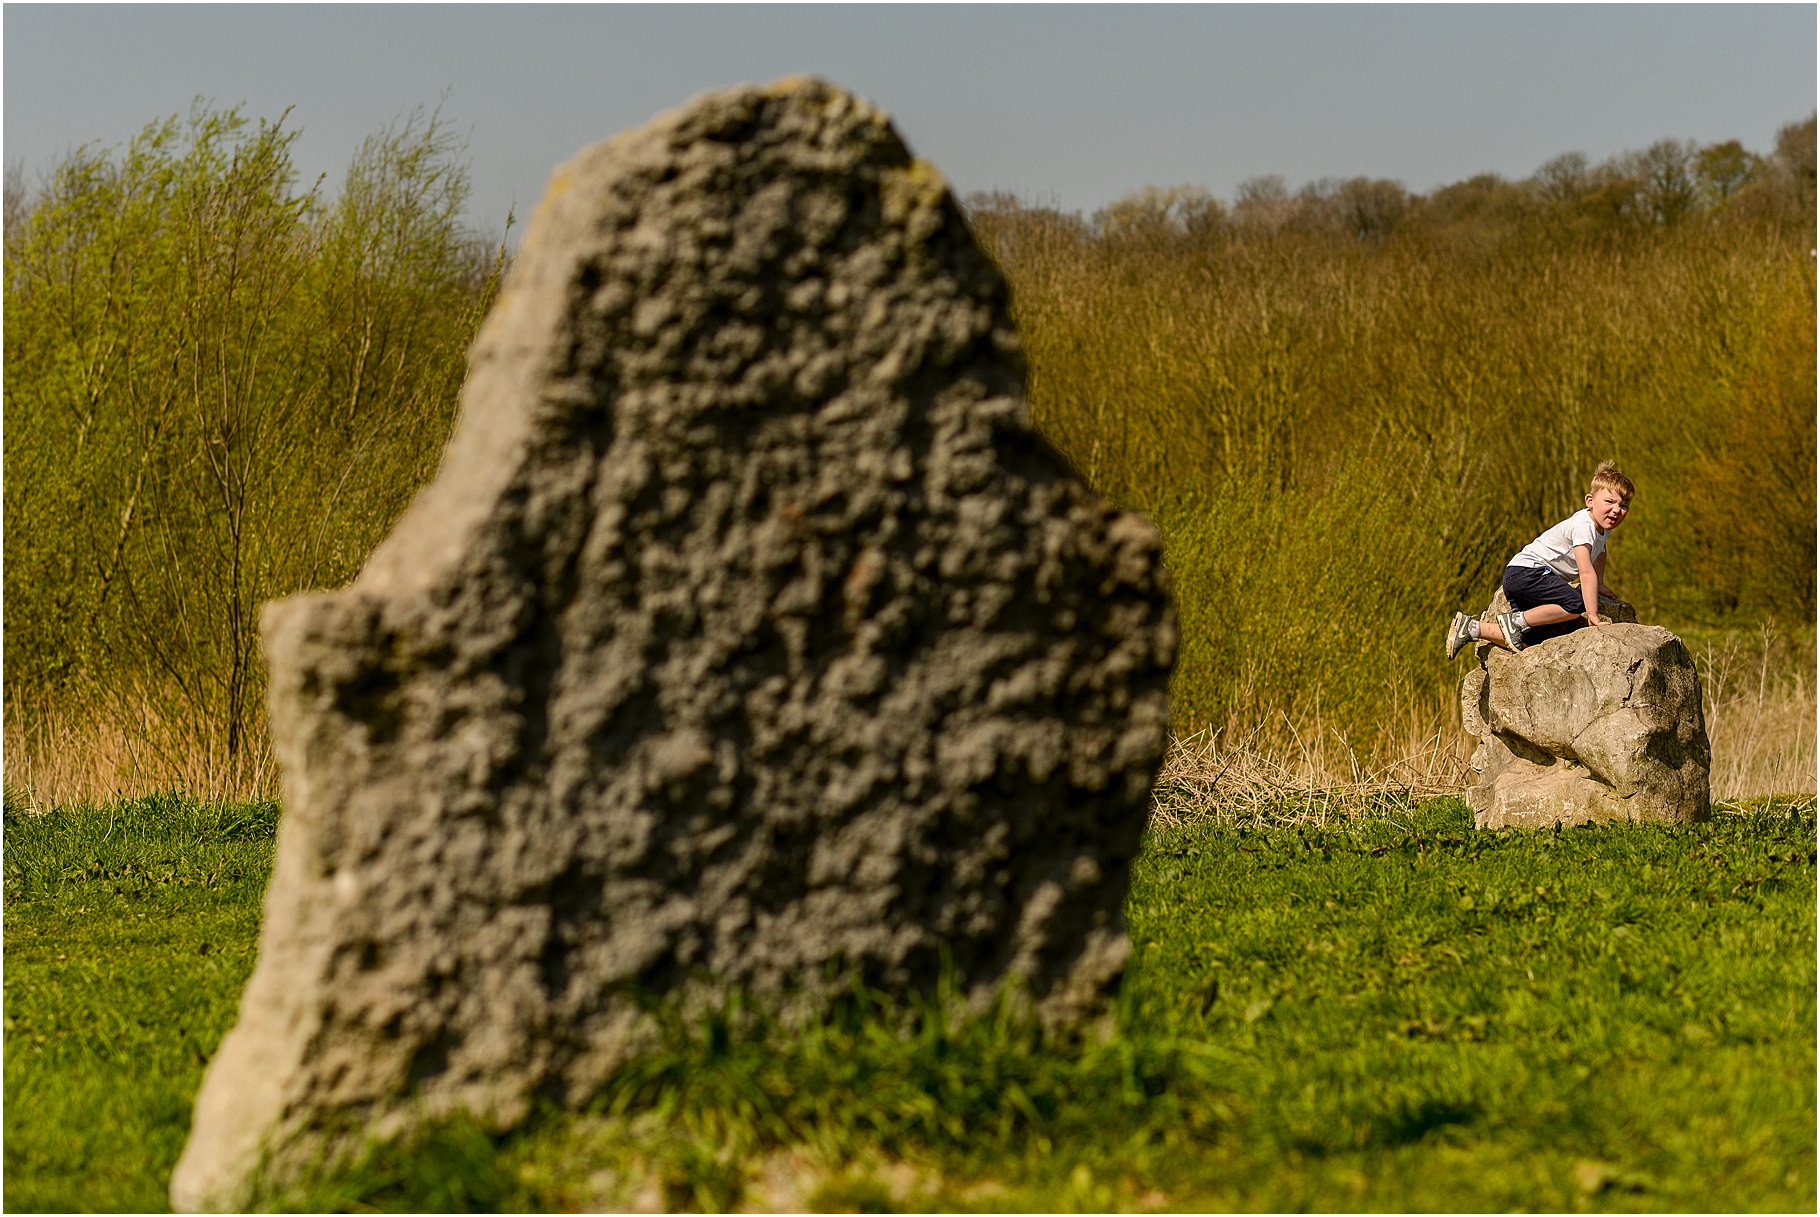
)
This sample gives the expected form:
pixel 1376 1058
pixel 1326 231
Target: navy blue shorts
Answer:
pixel 1528 586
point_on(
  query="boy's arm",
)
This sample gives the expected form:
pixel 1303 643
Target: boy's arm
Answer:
pixel 1605 588
pixel 1589 582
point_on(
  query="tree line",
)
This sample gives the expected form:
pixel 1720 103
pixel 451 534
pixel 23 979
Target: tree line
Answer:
pixel 1568 196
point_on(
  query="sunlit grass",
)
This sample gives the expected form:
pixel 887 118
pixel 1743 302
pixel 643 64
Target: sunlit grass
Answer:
pixel 1357 1005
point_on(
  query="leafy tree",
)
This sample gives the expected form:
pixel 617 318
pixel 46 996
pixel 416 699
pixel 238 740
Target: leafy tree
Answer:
pixel 1484 213
pixel 1263 203
pixel 1564 179
pixel 1722 170
pixel 1371 210
pixel 1172 213
pixel 219 389
pixel 15 197
pixel 1781 193
pixel 1664 171
pixel 1795 154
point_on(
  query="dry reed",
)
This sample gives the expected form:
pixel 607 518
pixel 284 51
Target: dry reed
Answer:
pixel 1280 775
pixel 121 746
pixel 1759 704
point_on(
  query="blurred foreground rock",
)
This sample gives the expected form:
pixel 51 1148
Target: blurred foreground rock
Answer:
pixel 1602 723
pixel 747 637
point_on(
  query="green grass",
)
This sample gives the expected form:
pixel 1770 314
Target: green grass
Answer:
pixel 1393 1013
pixel 130 932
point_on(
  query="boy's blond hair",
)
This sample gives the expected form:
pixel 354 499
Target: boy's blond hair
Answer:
pixel 1607 476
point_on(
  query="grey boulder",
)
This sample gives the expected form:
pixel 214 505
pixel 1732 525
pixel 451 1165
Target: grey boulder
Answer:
pixel 1600 724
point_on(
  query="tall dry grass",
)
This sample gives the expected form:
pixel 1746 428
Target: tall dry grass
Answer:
pixel 115 744
pixel 1304 775
pixel 1759 702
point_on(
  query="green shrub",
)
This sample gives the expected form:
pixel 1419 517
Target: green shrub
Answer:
pixel 219 389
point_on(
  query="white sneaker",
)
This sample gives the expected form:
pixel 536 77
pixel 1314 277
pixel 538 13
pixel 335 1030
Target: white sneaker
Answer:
pixel 1513 635
pixel 1459 634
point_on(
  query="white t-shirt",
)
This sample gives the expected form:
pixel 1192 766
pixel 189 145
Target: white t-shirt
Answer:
pixel 1555 548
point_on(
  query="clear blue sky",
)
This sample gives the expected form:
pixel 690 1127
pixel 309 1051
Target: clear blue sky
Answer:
pixel 1071 105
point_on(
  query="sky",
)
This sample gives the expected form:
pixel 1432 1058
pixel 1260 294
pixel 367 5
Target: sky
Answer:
pixel 1071 106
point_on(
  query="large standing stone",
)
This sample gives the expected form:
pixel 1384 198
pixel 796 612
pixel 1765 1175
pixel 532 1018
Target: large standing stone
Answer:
pixel 748 636
pixel 1598 724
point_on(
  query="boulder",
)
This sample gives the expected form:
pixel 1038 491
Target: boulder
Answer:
pixel 748 638
pixel 1599 724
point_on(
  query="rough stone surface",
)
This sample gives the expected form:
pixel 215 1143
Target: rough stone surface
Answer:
pixel 1599 724
pixel 748 636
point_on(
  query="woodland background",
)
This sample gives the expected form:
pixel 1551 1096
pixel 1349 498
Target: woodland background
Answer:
pixel 1344 405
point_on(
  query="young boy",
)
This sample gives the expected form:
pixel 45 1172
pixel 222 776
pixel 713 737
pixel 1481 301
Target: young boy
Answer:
pixel 1543 605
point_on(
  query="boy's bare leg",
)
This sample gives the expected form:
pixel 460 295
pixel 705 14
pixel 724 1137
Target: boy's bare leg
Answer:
pixel 1548 614
pixel 1542 614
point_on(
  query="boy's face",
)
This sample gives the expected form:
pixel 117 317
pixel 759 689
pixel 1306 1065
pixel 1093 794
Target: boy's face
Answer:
pixel 1608 507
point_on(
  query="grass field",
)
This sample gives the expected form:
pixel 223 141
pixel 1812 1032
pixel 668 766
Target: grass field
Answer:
pixel 1382 1009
